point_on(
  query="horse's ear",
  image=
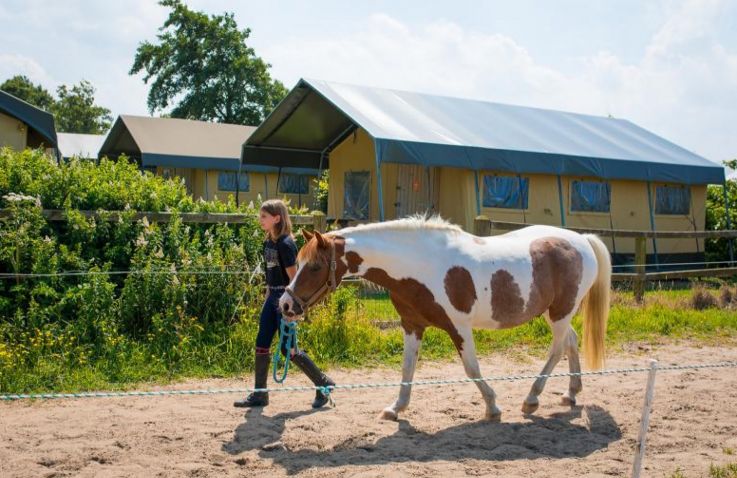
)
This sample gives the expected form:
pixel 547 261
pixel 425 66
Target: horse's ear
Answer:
pixel 307 234
pixel 321 241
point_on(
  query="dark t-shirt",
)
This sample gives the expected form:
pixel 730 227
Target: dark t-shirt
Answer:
pixel 278 256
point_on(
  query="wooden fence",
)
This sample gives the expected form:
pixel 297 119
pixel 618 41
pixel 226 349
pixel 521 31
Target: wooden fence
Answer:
pixel 316 220
pixel 483 226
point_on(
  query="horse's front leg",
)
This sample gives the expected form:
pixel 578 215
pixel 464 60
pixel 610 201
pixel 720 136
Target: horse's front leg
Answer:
pixel 467 351
pixel 412 342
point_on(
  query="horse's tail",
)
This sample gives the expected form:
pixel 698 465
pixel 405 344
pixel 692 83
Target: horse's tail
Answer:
pixel 595 306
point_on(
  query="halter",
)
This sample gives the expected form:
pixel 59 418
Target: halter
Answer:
pixel 329 285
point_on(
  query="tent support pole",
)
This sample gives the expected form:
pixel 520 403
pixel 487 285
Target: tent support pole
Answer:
pixel 380 189
pixel 560 201
pixel 478 194
pixel 652 225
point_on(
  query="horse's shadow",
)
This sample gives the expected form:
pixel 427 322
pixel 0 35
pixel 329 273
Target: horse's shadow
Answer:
pixel 555 436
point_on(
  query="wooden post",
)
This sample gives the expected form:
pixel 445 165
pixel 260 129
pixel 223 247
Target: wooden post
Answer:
pixel 319 221
pixel 645 420
pixel 640 261
pixel 482 226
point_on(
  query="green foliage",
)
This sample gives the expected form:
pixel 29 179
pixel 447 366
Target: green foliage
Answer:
pixel 76 112
pixel 321 186
pixel 22 87
pixel 716 217
pixel 726 471
pixel 204 65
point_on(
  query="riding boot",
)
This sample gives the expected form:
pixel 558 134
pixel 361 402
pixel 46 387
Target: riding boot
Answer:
pixel 312 371
pixel 258 399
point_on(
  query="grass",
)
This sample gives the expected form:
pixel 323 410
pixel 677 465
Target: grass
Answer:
pixel 346 334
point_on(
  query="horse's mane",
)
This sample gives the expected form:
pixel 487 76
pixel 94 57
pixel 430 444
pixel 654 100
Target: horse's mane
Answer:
pixel 415 222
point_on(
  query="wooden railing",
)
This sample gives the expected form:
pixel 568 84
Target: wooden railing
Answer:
pixel 483 226
pixel 316 219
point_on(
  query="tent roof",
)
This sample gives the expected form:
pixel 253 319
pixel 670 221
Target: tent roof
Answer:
pixel 41 121
pixel 80 145
pixel 180 143
pixel 434 130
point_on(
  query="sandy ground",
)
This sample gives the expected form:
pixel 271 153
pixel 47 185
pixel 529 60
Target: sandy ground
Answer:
pixel 694 424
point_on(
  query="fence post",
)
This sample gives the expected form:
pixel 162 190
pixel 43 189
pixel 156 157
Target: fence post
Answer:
pixel 319 221
pixel 645 421
pixel 640 261
pixel 482 226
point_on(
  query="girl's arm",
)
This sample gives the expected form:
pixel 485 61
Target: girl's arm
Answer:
pixel 291 272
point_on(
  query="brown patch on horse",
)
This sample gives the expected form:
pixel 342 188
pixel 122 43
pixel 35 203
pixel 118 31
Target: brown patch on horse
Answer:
pixel 354 261
pixel 507 305
pixel 460 288
pixel 557 268
pixel 418 303
pixel 556 275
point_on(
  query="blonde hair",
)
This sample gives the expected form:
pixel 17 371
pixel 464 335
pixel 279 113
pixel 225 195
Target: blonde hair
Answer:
pixel 276 207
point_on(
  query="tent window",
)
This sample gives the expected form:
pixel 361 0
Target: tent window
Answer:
pixel 356 195
pixel 590 196
pixel 226 181
pixel 674 200
pixel 294 184
pixel 507 192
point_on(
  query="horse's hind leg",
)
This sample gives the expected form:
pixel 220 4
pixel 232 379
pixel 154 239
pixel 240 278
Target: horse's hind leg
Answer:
pixel 574 366
pixel 412 341
pixel 467 350
pixel 560 337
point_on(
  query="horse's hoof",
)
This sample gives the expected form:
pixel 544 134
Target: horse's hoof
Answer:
pixel 568 401
pixel 388 414
pixel 528 408
pixel 494 417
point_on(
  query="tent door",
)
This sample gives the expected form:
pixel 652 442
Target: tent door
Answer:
pixel 417 190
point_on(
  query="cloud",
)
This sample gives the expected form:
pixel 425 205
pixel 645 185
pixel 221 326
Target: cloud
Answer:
pixel 684 85
pixel 13 64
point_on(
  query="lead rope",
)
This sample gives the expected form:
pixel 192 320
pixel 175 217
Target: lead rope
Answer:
pixel 287 341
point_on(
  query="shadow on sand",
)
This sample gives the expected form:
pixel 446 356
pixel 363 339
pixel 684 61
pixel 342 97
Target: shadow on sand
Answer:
pixel 554 436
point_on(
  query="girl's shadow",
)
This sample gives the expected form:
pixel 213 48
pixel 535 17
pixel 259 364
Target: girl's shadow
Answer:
pixel 259 430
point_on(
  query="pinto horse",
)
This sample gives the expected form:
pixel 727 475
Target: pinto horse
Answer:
pixel 438 275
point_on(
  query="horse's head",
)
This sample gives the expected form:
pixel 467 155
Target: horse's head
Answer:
pixel 319 273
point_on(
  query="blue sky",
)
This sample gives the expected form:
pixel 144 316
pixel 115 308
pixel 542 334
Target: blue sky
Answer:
pixel 667 65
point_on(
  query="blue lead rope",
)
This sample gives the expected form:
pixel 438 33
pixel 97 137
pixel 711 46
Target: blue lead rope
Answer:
pixel 287 341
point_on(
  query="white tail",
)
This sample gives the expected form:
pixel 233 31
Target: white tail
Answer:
pixel 595 307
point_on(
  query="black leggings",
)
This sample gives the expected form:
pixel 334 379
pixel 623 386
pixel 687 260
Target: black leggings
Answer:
pixel 269 322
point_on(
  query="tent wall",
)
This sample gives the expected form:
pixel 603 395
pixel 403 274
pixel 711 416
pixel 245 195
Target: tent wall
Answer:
pixel 629 210
pixel 356 153
pixel 204 184
pixel 458 196
pixel 12 132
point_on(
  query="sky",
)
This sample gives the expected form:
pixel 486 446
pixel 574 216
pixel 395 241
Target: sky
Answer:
pixel 669 66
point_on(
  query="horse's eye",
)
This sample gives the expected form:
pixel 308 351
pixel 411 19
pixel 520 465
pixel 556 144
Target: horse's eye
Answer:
pixel 315 267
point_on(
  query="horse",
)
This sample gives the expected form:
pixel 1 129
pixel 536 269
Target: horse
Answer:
pixel 439 275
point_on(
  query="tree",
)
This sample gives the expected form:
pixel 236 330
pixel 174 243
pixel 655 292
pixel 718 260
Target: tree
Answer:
pixel 716 215
pixel 76 112
pixel 21 87
pixel 204 65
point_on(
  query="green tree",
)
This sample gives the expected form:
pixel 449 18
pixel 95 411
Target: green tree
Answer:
pixel 716 215
pixel 21 87
pixel 203 65
pixel 76 112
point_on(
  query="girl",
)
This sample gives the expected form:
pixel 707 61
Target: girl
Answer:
pixel 280 258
